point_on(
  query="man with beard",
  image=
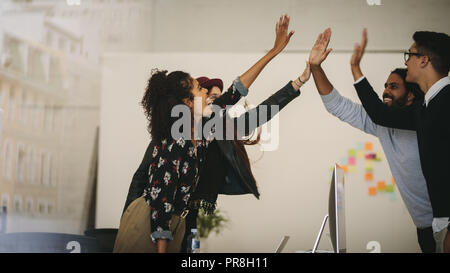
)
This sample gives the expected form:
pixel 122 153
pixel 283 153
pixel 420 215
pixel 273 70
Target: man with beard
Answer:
pixel 400 146
pixel 428 62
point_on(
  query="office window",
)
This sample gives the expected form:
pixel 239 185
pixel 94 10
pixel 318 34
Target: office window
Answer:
pixel 12 104
pixel 29 205
pixel 18 203
pixel 32 166
pixel 45 169
pixel 21 163
pixel 51 207
pixel 5 200
pixel 7 170
pixel 42 207
pixel 23 110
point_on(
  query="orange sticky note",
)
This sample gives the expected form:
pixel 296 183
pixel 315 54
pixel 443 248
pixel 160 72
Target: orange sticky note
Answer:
pixel 381 185
pixel 393 180
pixel 369 177
pixel 345 168
pixel 372 191
pixel 368 146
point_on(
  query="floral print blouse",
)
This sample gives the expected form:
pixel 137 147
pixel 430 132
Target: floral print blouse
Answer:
pixel 173 175
pixel 174 172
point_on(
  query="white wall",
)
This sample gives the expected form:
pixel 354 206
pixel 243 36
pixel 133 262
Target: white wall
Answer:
pixel 248 25
pixel 293 181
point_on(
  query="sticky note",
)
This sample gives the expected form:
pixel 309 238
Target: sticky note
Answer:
pixel 351 152
pixel 372 191
pixel 359 146
pixel 359 154
pixel 377 156
pixel 368 146
pixel 381 185
pixel 345 168
pixel 351 169
pixel 351 160
pixel 393 180
pixel 368 177
pixel 342 161
pixel 370 156
pixel 392 196
pixel 368 166
pixel 389 188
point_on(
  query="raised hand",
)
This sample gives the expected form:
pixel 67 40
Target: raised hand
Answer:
pixel 319 51
pixel 282 36
pixel 306 73
pixel 359 49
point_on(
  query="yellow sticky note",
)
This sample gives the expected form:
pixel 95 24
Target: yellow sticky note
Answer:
pixel 359 154
pixel 352 169
pixel 369 165
pixel 378 156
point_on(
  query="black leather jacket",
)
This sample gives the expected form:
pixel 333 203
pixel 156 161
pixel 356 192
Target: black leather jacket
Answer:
pixel 237 180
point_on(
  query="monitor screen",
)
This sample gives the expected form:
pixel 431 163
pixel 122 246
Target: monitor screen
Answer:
pixel 336 210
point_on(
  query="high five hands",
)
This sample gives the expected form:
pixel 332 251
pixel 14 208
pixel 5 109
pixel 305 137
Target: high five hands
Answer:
pixel 282 36
pixel 320 50
pixel 358 52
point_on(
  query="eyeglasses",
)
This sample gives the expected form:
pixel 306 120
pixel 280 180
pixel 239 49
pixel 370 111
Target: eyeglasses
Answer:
pixel 407 55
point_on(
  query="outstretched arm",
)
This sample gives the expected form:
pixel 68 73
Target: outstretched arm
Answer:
pixel 265 111
pixel 318 54
pixel 243 82
pixel 358 53
pixel 381 114
pixel 282 38
pixel 338 106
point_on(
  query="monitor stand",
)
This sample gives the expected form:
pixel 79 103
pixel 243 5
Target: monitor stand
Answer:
pixel 320 234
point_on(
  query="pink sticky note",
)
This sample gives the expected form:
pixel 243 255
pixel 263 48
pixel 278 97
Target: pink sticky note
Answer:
pixel 351 160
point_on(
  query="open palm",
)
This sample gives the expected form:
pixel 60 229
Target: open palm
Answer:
pixel 359 49
pixel 320 50
pixel 282 36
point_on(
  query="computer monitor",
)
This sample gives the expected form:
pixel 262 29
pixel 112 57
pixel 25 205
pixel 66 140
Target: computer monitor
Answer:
pixel 336 213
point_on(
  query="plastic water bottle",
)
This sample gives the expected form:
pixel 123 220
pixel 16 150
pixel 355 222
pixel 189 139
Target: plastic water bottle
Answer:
pixel 193 242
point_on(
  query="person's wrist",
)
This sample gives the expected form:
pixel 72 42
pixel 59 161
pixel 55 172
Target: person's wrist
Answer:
pixel 274 51
pixel 302 81
pixel 314 65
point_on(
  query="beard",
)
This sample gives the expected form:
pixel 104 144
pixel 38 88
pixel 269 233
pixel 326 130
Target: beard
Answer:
pixel 398 102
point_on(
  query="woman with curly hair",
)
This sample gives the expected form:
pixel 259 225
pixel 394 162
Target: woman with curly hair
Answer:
pixel 154 217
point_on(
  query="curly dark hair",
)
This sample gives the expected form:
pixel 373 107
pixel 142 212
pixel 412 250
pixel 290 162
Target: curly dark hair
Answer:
pixel 162 93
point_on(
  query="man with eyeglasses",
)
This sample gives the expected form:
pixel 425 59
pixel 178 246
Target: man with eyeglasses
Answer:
pixel 428 62
pixel 400 146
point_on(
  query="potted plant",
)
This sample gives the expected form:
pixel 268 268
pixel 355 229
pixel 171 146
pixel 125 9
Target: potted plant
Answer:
pixel 207 223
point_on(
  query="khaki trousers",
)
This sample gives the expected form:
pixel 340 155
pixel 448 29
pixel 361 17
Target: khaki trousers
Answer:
pixel 134 230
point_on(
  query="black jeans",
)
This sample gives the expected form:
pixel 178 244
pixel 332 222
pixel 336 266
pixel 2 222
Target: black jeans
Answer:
pixel 426 240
